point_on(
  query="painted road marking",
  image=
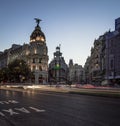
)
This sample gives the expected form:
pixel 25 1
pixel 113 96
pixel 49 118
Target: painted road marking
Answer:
pixel 1 114
pixel 10 111
pixel 15 111
pixel 9 102
pixel 1 102
pixel 37 110
pixel 13 101
pixel 22 110
pixel 6 102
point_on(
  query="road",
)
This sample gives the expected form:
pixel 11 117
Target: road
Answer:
pixel 44 108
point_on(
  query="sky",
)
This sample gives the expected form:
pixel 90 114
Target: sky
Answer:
pixel 74 24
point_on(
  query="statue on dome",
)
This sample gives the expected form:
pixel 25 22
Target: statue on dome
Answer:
pixel 37 20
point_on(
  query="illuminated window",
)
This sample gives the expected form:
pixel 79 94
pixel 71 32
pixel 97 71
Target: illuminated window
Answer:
pixel 35 51
pixel 96 65
pixel 42 39
pixel 27 52
pixel 32 40
pixel 33 68
pixel 38 38
pixel 36 67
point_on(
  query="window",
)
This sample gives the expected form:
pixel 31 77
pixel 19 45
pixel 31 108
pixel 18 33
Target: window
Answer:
pixel 27 52
pixel 111 64
pixel 34 68
pixel 35 51
pixel 111 51
pixel 33 60
pixel 40 68
pixel 40 59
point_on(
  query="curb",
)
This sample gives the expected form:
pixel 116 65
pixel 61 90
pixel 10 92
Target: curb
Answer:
pixel 100 94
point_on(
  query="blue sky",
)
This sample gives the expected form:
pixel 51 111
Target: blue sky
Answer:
pixel 74 24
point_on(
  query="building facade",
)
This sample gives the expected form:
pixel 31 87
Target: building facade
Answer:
pixel 87 70
pixel 76 73
pixel 96 61
pixel 58 69
pixel 35 54
pixel 103 66
pixel 113 55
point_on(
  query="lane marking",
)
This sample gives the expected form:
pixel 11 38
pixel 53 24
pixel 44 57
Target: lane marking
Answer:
pixel 13 101
pixel 6 102
pixel 1 102
pixel 2 114
pixel 10 111
pixel 22 110
pixel 9 102
pixel 37 110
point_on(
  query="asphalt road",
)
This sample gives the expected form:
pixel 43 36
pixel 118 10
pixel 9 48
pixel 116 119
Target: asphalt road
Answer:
pixel 41 108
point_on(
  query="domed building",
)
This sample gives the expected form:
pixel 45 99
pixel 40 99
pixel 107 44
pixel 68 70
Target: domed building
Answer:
pixel 58 69
pixel 35 54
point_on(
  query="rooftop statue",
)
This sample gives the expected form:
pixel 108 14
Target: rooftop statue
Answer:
pixel 37 20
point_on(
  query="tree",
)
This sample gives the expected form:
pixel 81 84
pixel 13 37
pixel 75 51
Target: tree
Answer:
pixel 4 73
pixel 19 71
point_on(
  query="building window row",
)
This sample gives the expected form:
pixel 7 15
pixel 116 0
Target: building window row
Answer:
pixel 37 60
pixel 35 67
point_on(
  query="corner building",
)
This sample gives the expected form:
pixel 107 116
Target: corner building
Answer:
pixel 35 54
pixel 58 69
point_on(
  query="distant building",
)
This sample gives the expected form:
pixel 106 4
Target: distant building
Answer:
pixel 35 54
pixel 87 70
pixel 76 73
pixel 58 69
